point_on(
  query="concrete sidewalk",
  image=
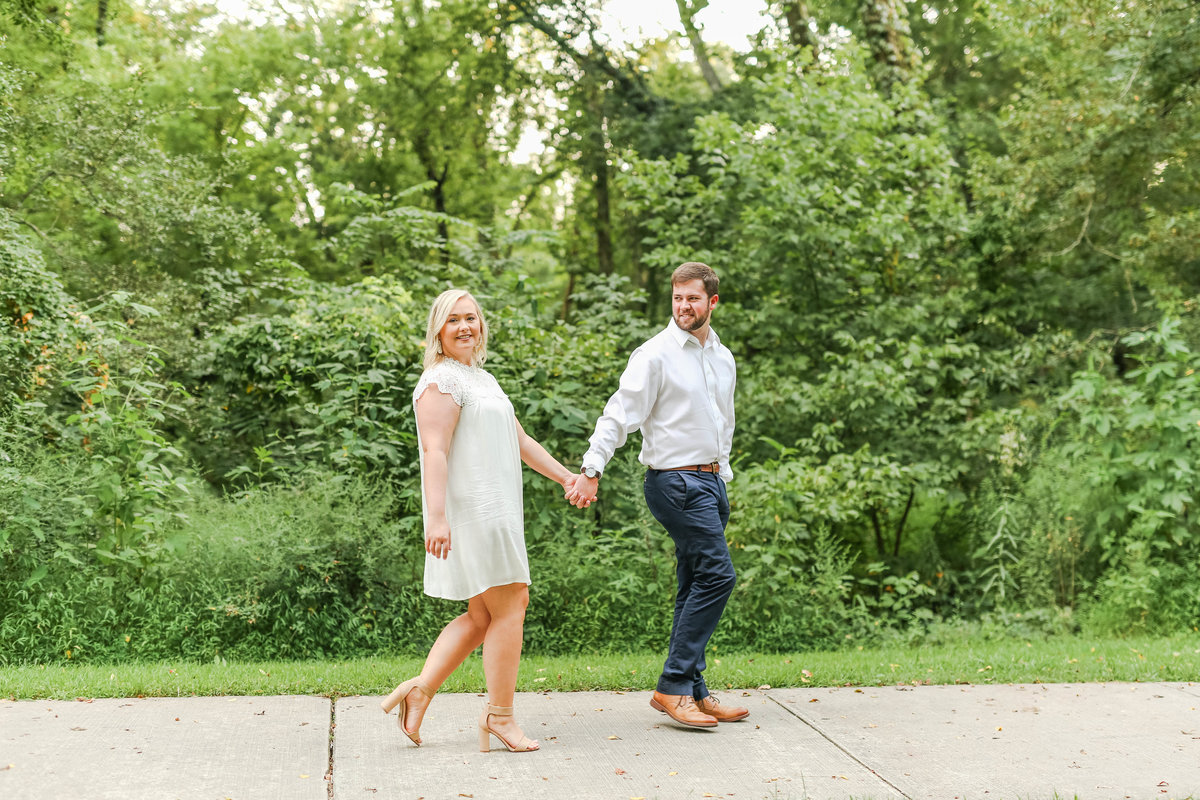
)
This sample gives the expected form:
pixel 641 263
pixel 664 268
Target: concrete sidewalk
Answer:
pixel 940 742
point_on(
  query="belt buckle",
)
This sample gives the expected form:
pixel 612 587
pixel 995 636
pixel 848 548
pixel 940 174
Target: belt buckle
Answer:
pixel 715 467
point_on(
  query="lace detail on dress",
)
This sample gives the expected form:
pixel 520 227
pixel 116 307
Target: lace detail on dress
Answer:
pixel 453 378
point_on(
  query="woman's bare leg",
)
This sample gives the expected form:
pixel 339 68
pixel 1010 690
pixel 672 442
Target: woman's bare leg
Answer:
pixel 456 641
pixel 502 651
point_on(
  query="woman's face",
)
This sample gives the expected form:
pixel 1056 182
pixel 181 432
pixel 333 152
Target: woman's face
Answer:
pixel 460 335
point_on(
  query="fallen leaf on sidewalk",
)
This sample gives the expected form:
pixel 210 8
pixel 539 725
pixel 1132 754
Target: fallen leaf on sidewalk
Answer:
pixel 614 737
pixel 619 771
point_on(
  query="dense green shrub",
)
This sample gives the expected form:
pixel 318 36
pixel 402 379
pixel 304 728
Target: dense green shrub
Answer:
pixel 322 379
pixel 1138 435
pixel 35 317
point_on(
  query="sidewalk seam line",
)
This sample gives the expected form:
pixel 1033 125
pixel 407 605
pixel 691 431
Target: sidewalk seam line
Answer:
pixel 332 727
pixel 829 739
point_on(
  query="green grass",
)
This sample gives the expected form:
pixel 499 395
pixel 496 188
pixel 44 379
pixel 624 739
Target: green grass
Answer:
pixel 1059 660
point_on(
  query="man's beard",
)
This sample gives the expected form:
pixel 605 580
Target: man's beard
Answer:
pixel 697 322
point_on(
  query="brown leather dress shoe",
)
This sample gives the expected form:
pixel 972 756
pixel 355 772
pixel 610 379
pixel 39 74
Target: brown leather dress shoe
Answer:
pixel 682 708
pixel 712 706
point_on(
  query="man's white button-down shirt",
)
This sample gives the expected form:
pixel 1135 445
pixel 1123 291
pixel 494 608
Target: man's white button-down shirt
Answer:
pixel 680 394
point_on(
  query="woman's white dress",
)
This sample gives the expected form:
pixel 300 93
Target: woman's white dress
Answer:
pixel 483 487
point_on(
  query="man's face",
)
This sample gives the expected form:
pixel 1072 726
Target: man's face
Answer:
pixel 691 305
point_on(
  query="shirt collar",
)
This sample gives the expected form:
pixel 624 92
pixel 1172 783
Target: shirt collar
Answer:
pixel 682 337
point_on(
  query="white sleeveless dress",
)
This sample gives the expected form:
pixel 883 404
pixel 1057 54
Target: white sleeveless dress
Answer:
pixel 483 487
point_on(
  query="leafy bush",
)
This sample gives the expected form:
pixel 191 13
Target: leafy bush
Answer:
pixel 35 317
pixel 1138 435
pixel 296 571
pixel 323 382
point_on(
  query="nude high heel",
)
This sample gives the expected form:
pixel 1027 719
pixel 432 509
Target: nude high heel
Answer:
pixel 526 745
pixel 399 696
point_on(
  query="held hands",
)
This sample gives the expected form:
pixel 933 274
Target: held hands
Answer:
pixel 437 539
pixel 580 490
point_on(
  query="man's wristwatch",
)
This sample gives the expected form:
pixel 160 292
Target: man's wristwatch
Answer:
pixel 590 472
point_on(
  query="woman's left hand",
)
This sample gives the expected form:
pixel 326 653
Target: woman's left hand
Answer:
pixel 571 493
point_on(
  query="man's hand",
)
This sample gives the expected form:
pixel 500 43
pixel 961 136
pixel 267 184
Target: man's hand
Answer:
pixel 583 492
pixel 437 539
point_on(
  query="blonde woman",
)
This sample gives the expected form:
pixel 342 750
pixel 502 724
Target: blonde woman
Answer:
pixel 471 448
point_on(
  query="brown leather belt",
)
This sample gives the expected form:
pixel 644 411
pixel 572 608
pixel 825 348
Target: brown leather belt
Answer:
pixel 714 467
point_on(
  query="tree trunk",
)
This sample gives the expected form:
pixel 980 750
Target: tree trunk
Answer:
pixel 912 493
pixel 570 290
pixel 880 547
pixel 604 248
pixel 101 20
pixel 687 15
pixel 598 157
pixel 439 205
pixel 889 37
pixel 799 30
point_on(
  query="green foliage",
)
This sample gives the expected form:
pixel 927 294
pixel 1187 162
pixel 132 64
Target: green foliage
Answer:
pixel 1138 434
pixel 34 316
pixel 826 197
pixel 1141 433
pixel 301 570
pixel 323 382
pixel 1085 202
pixel 126 480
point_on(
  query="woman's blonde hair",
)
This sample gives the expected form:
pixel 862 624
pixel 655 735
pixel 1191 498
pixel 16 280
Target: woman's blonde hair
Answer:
pixel 438 314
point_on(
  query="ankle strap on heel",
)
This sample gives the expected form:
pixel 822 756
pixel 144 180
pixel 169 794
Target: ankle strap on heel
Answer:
pixel 499 711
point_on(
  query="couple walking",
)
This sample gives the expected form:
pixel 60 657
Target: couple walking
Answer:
pixel 678 390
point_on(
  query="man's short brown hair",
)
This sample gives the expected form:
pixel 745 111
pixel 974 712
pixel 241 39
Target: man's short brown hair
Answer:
pixel 694 270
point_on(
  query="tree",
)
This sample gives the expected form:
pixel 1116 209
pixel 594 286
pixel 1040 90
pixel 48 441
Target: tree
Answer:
pixel 687 15
pixel 1088 192
pixel 889 38
pixel 799 22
